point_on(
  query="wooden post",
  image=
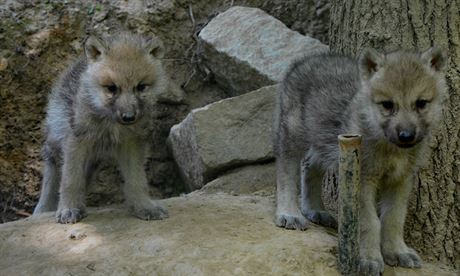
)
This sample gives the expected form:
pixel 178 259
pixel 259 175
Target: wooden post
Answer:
pixel 348 205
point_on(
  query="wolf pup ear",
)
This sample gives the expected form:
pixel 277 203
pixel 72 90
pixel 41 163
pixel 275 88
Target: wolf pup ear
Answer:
pixel 94 48
pixel 370 62
pixel 435 58
pixel 155 47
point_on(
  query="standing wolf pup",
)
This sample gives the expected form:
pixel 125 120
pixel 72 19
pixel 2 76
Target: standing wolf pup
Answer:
pixel 394 101
pixel 98 109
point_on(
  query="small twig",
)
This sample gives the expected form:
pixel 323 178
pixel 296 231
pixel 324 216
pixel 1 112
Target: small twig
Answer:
pixel 175 59
pixel 23 213
pixel 190 77
pixel 208 73
pixel 193 52
pixel 20 212
pixel 192 18
pixel 189 49
pixel 5 206
pixel 34 138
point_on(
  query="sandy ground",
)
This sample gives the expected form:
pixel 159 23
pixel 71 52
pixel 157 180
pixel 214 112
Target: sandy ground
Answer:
pixel 216 234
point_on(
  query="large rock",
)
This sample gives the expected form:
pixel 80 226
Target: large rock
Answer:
pixel 251 179
pixel 246 48
pixel 205 235
pixel 223 135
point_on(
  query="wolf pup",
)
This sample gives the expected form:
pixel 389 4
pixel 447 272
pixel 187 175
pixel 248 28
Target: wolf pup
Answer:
pixel 394 101
pixel 99 109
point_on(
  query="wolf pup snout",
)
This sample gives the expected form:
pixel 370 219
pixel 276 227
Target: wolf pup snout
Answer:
pixel 128 118
pixel 128 110
pixel 406 137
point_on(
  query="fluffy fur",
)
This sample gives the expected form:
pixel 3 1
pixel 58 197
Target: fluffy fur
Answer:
pixel 395 102
pixel 99 109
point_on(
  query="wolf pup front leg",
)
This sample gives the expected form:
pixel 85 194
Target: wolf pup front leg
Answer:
pixel 288 214
pixel 49 195
pixel 131 160
pixel 311 180
pixel 72 207
pixel 393 211
pixel 371 260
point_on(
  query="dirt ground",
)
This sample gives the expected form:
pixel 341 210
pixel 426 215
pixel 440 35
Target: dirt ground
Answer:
pixel 212 234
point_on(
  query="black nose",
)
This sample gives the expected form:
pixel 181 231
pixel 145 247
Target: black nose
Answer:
pixel 406 136
pixel 128 117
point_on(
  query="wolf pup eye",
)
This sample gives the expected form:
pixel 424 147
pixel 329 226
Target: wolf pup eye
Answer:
pixel 112 88
pixel 387 105
pixel 421 104
pixel 141 87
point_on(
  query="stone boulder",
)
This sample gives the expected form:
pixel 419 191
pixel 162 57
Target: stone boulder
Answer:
pixel 224 135
pixel 251 179
pixel 245 48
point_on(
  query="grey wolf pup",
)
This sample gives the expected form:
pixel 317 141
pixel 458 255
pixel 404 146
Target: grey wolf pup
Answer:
pixel 99 109
pixel 394 101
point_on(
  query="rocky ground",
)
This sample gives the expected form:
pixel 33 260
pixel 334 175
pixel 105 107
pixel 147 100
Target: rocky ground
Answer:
pixel 206 234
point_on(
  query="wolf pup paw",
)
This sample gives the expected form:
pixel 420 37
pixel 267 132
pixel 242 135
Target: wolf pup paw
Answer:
pixel 320 217
pixel 291 221
pixel 407 258
pixel 371 266
pixel 149 211
pixel 69 215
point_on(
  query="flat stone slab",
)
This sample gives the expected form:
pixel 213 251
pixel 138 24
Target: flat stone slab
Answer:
pixel 223 135
pixel 247 49
pixel 251 179
pixel 215 234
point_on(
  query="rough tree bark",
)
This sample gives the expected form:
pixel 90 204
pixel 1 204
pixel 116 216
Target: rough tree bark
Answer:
pixel 432 225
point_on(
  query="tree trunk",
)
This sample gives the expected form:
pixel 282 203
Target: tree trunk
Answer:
pixel 432 225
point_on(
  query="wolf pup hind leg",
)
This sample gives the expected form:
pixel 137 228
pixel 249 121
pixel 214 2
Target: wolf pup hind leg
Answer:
pixel 99 109
pixel 395 102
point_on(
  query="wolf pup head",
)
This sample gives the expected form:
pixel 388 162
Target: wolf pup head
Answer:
pixel 404 93
pixel 124 73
